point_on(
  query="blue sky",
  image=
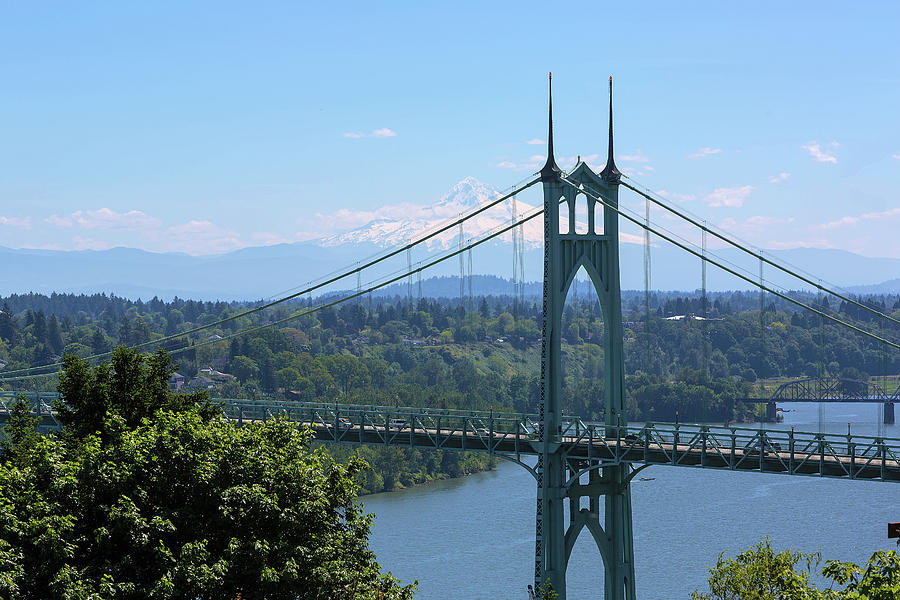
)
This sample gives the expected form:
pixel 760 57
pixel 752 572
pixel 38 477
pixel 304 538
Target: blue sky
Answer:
pixel 206 127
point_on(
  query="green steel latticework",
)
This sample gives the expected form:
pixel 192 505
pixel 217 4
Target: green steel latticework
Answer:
pixel 559 473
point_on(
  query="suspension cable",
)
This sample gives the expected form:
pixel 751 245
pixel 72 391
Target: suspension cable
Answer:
pixel 733 272
pixel 749 251
pixel 343 274
pixel 424 235
pixel 296 315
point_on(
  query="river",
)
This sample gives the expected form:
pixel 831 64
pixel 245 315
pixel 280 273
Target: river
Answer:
pixel 473 538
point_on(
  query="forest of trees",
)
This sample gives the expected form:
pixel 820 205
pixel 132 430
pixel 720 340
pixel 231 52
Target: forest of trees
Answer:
pixel 481 354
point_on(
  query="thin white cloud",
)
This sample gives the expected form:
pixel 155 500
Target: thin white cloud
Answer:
pixel 779 178
pixel 790 245
pixel 753 225
pixel 897 156
pixel 82 243
pixel 731 197
pixel 629 238
pixel 384 132
pixel 679 197
pixel 532 163
pixel 637 157
pixel 200 237
pixel 704 152
pixel 851 220
pixel 23 222
pixel 537 142
pixel 815 150
pixel 267 238
pixel 570 161
pixel 634 171
pixel 105 218
pixel 347 219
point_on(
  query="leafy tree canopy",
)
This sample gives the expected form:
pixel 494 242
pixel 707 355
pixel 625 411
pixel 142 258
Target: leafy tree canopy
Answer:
pixel 177 505
pixel 761 573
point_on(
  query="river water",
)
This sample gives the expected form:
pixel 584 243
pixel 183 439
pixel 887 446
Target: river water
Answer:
pixel 473 538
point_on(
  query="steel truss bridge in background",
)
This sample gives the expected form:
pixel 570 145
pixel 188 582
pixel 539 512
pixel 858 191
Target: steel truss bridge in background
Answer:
pixel 828 389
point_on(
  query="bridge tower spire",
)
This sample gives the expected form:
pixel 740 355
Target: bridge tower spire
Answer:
pixel 563 477
pixel 550 170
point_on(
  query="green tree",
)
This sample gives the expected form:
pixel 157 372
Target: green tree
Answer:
pixel 761 573
pixel 54 337
pixel 180 505
pixel 244 368
pixel 129 388
pixel 20 431
pixel 879 580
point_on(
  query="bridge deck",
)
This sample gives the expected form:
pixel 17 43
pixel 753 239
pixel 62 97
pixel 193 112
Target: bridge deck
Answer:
pixel 731 448
pixel 515 435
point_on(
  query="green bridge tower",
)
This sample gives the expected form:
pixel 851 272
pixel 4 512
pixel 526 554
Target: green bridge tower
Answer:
pixel 599 497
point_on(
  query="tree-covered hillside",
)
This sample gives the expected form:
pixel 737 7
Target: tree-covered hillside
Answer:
pixel 481 354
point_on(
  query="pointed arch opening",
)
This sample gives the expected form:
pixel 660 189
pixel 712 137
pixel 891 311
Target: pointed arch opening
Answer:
pixel 584 540
pixel 583 356
pixel 565 210
pixel 599 214
pixel 581 214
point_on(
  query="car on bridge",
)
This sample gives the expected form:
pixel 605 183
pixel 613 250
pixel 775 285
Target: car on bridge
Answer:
pixel 397 424
pixel 633 439
pixel 342 423
pixel 766 444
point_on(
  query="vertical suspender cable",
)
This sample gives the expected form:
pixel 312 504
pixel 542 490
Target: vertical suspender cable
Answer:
pixel 462 269
pixel 471 297
pixel 515 245
pixel 879 408
pixel 822 372
pixel 649 357
pixel 764 360
pixel 521 252
pixel 704 304
pixel 409 284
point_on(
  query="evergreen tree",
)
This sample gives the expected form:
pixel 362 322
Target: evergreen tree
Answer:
pixel 54 337
pixel 7 325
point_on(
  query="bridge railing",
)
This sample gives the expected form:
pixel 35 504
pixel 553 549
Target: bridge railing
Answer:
pixel 741 448
pixel 393 425
pixel 41 404
pixel 684 444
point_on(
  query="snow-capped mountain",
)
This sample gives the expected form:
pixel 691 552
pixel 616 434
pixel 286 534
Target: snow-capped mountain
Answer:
pixel 264 271
pixel 401 224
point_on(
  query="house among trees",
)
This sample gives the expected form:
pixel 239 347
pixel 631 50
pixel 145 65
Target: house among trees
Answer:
pixel 176 381
pixel 201 382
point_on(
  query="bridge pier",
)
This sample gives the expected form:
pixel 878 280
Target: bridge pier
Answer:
pixel 888 413
pixel 771 412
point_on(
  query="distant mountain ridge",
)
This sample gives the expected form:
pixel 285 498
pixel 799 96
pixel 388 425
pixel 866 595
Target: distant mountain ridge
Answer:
pixel 467 195
pixel 268 271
